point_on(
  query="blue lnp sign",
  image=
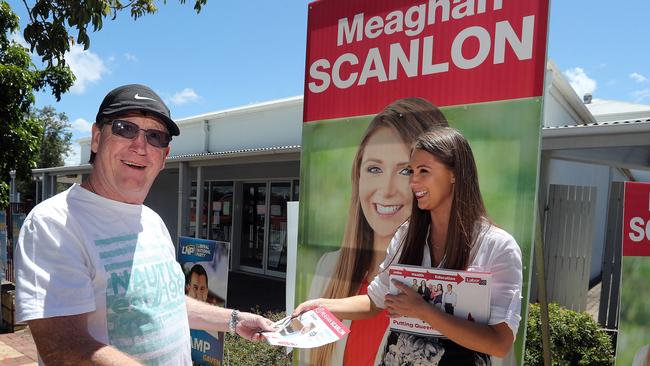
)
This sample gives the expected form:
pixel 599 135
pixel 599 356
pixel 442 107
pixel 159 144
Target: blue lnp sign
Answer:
pixel 195 250
pixel 205 264
pixel 206 348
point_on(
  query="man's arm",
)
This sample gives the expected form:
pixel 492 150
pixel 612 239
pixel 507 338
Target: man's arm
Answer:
pixel 64 340
pixel 209 317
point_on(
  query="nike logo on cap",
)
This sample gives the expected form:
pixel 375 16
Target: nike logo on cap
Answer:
pixel 136 96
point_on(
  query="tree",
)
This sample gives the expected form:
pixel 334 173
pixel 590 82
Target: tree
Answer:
pixel 19 79
pixel 55 141
pixel 54 144
pixel 48 34
pixel 51 21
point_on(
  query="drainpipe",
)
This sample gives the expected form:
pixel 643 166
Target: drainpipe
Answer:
pixel 206 136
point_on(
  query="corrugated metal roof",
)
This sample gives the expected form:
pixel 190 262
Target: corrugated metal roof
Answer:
pixel 597 124
pixel 274 149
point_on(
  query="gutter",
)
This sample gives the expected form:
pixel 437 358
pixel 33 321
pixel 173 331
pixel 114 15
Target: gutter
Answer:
pixel 629 127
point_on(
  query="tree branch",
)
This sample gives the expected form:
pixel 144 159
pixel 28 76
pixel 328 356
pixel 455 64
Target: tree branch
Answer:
pixel 29 11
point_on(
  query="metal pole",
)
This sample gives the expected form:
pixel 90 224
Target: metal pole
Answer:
pixel 538 252
pixel 183 199
pixel 12 191
pixel 543 302
pixel 199 201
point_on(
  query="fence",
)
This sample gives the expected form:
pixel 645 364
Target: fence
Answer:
pixel 568 244
pixel 14 216
pixel 609 295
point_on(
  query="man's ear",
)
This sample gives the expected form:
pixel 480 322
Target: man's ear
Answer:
pixel 96 135
pixel 167 149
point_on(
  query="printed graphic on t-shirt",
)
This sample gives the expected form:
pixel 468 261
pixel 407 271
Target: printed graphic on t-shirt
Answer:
pixel 145 302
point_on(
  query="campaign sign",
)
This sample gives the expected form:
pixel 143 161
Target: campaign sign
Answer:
pixel 636 220
pixel 633 341
pixel 378 74
pixel 205 265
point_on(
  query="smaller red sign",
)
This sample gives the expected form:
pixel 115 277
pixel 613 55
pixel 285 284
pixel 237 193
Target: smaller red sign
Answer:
pixel 636 220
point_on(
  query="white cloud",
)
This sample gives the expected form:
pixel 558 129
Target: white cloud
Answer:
pixel 641 95
pixel 184 96
pixel 580 82
pixel 18 38
pixel 638 77
pixel 74 156
pixel 86 66
pixel 130 57
pixel 81 125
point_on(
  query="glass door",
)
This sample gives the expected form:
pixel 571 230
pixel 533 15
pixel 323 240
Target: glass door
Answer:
pixel 277 248
pixel 221 207
pixel 251 255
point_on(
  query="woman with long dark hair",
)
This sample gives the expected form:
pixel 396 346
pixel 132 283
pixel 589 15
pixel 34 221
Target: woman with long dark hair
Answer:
pixel 448 228
pixel 380 202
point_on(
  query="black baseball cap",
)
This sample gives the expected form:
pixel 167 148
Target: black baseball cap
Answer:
pixel 136 98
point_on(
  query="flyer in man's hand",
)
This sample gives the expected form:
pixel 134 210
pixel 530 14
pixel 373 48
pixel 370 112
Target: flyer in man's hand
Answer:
pixel 310 329
pixel 464 294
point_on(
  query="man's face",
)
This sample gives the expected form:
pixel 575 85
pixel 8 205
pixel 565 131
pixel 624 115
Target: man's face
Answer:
pixel 198 287
pixel 125 169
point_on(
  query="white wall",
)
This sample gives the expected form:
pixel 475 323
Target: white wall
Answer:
pixel 267 125
pixel 84 154
pixel 556 111
pixel 190 141
pixel 271 127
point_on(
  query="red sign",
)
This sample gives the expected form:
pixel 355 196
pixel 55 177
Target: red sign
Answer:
pixel 362 55
pixel 636 220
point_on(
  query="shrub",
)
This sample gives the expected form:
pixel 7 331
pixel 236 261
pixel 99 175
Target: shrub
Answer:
pixel 576 339
pixel 240 352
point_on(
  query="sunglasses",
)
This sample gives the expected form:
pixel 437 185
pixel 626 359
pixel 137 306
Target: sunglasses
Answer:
pixel 130 130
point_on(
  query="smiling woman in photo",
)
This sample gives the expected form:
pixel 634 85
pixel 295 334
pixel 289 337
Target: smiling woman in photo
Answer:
pixel 380 202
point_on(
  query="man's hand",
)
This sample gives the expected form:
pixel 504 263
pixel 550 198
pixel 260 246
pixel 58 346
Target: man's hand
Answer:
pixel 251 325
pixel 406 303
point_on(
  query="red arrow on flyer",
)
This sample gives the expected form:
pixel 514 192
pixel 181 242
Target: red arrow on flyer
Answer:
pixel 444 277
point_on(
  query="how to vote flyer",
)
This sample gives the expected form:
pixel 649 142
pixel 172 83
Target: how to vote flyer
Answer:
pixel 459 293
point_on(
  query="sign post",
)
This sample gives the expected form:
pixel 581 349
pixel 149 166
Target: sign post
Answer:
pixel 634 324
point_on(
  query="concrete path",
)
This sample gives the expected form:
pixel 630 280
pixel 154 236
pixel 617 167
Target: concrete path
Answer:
pixel 18 349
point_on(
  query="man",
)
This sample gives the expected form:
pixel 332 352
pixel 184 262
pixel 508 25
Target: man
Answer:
pixel 196 283
pixel 449 299
pixel 97 279
pixel 415 285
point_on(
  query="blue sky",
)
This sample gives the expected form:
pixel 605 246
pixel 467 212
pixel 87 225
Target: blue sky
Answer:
pixel 236 53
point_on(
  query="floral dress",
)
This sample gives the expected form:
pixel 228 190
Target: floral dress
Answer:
pixel 404 349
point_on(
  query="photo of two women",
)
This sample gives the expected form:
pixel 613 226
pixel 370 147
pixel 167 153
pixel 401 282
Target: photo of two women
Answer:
pixel 414 192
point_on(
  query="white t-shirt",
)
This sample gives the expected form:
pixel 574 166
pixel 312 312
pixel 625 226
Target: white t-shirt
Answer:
pixel 80 253
pixel 449 298
pixel 495 251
